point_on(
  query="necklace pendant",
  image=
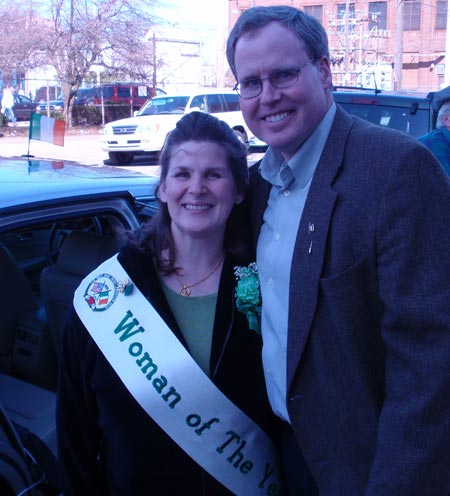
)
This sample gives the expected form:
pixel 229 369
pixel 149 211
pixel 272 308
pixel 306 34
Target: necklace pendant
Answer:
pixel 185 290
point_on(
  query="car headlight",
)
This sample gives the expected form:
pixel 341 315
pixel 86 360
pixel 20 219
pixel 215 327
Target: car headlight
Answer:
pixel 108 129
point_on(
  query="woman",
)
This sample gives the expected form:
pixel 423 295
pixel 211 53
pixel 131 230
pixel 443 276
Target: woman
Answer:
pixel 183 264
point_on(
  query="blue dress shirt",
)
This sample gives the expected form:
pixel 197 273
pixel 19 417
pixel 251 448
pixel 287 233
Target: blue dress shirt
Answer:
pixel 290 185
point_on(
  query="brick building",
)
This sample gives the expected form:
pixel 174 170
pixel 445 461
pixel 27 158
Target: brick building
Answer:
pixel 365 36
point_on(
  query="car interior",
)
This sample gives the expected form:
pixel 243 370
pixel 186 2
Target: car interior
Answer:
pixel 40 267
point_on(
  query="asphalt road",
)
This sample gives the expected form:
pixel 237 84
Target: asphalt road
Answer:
pixel 82 148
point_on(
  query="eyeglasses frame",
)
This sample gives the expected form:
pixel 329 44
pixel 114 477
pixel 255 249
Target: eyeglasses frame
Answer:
pixel 297 71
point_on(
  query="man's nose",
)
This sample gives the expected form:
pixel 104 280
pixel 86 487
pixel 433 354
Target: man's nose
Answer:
pixel 269 93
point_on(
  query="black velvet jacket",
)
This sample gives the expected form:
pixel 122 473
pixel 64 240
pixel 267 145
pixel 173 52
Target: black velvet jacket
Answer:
pixel 108 444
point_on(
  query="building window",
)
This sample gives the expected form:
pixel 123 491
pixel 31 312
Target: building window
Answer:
pixel 411 15
pixel 377 15
pixel 315 11
pixel 341 9
pixel 441 14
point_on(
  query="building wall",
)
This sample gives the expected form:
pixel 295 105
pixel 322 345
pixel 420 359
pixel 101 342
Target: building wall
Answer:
pixel 363 54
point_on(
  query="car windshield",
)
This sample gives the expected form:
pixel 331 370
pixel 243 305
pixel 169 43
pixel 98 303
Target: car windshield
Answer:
pixel 165 105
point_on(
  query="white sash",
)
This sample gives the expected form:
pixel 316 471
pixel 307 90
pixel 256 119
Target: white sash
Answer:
pixel 171 387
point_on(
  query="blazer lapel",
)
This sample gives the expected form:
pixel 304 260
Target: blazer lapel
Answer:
pixel 310 247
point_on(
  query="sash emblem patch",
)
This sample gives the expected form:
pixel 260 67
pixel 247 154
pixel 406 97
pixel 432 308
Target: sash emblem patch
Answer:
pixel 101 292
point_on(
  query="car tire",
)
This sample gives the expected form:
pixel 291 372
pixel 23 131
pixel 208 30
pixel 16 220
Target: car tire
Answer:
pixel 121 158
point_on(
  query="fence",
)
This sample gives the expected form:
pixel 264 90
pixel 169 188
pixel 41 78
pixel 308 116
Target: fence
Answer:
pixel 93 105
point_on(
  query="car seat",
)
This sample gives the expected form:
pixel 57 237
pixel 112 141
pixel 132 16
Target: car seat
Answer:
pixel 17 299
pixel 80 253
pixel 28 465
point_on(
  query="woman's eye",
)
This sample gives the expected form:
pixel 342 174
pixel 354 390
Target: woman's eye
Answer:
pixel 213 175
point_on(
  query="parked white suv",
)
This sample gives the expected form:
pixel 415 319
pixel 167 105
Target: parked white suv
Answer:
pixel 145 133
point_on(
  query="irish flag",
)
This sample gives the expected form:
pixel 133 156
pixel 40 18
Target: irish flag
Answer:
pixel 47 129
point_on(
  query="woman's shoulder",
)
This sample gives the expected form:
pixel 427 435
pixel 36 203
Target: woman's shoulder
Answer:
pixel 134 259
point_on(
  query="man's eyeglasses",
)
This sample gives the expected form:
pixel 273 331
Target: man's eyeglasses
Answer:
pixel 250 88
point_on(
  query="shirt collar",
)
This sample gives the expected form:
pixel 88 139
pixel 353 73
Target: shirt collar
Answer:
pixel 300 168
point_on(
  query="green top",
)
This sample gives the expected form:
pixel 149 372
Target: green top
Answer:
pixel 195 317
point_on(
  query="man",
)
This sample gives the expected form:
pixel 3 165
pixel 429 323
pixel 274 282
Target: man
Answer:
pixel 352 227
pixel 438 140
pixel 8 104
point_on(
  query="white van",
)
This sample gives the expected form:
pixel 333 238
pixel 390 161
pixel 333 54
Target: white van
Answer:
pixel 145 133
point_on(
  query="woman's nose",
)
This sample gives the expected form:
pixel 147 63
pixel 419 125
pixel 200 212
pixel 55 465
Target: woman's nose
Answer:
pixel 197 185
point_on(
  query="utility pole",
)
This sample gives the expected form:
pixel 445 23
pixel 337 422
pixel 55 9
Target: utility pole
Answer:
pixel 154 60
pixel 398 59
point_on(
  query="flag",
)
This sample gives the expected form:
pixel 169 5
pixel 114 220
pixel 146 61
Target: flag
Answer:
pixel 47 129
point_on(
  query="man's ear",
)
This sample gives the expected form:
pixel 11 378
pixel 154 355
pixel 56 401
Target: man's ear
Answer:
pixel 324 70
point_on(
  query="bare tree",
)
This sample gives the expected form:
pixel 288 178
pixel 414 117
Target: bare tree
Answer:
pixel 21 42
pixel 109 33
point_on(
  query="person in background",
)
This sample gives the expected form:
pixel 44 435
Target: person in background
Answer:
pixel 351 225
pixel 8 104
pixel 438 140
pixel 182 263
pixel 242 135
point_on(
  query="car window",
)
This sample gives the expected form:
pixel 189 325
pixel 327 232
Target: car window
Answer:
pixel 108 91
pixel 214 104
pixel 198 102
pixel 123 92
pixel 232 102
pixel 143 91
pixel 415 124
pixel 23 99
pixel 169 105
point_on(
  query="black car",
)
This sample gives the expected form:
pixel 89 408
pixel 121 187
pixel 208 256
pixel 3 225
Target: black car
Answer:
pixel 23 106
pixel 84 96
pixel 410 112
pixel 58 221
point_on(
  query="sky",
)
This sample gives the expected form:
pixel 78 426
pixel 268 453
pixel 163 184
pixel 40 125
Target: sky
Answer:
pixel 199 15
pixel 203 21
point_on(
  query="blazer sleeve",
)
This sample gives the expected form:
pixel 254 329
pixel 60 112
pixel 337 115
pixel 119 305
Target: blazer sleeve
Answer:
pixel 413 268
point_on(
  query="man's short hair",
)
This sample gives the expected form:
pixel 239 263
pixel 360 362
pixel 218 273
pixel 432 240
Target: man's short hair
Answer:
pixel 308 29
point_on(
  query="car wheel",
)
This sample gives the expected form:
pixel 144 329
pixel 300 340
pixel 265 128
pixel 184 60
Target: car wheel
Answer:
pixel 122 158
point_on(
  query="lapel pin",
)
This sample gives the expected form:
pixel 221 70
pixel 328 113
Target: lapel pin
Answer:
pixel 126 287
pixel 311 230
